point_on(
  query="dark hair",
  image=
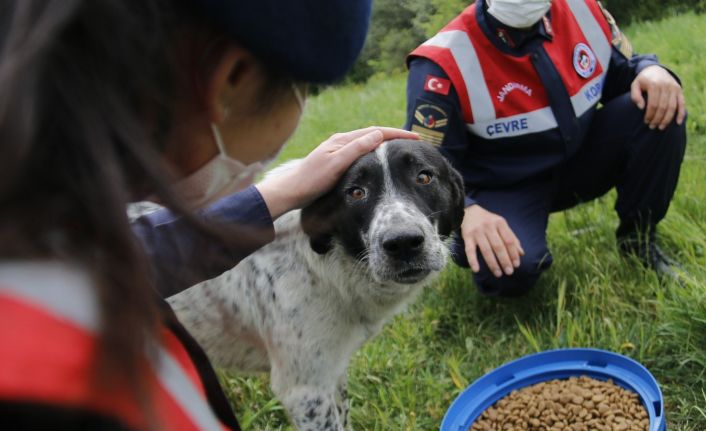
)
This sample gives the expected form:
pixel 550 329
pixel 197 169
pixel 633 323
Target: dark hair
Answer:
pixel 85 93
pixel 75 78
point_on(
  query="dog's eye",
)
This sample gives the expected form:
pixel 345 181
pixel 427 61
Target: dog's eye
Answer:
pixel 356 193
pixel 423 178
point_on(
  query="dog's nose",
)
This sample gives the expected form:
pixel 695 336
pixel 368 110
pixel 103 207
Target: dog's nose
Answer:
pixel 403 243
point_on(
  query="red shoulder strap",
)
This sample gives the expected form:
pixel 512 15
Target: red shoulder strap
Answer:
pixel 444 59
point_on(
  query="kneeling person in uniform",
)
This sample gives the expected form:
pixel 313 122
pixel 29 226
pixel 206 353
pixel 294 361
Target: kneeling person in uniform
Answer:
pixel 510 92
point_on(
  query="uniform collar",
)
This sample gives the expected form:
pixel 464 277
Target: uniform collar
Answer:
pixel 508 39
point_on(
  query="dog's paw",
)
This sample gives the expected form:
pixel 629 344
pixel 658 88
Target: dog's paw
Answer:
pixel 312 409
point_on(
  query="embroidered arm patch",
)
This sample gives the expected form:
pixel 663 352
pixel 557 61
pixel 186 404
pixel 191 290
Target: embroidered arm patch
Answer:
pixel 618 38
pixel 430 122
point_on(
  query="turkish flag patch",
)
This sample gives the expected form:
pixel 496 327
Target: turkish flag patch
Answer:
pixel 437 85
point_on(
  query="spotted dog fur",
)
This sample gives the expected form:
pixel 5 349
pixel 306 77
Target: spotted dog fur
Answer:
pixel 336 272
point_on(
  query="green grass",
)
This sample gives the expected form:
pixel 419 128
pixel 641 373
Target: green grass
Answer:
pixel 406 378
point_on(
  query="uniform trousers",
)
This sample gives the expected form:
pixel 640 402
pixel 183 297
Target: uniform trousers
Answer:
pixel 619 151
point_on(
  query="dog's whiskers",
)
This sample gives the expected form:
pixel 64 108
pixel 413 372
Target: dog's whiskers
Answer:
pixel 361 261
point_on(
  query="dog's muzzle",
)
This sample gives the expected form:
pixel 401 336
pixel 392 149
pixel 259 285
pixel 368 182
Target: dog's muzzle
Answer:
pixel 404 246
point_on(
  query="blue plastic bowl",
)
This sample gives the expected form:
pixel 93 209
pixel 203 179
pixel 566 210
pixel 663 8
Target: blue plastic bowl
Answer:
pixel 556 364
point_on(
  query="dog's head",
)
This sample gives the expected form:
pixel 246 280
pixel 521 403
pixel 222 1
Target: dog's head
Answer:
pixel 393 210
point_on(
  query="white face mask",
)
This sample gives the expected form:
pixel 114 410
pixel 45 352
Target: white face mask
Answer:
pixel 519 13
pixel 221 176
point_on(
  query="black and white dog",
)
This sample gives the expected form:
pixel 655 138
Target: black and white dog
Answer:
pixel 336 272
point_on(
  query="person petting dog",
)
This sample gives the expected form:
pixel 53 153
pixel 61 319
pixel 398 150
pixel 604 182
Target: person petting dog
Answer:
pixel 108 102
pixel 542 105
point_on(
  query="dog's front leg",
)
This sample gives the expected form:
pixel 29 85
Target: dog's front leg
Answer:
pixel 342 404
pixel 311 408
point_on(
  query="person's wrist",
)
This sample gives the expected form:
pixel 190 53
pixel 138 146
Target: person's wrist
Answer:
pixel 472 207
pixel 278 195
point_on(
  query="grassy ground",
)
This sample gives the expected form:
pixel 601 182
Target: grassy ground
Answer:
pixel 406 378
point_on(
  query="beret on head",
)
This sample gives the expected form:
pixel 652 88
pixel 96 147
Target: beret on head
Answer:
pixel 306 40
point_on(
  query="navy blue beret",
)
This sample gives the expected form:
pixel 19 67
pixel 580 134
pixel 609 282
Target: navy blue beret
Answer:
pixel 306 40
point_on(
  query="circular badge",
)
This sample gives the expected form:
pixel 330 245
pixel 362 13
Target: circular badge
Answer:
pixel 584 60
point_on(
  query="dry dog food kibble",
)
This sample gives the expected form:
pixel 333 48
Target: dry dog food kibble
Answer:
pixel 575 404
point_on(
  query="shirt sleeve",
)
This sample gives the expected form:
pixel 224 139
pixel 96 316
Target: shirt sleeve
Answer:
pixel 437 116
pixel 181 255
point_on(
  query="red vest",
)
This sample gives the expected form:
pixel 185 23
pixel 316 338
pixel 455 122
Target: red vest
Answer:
pixel 48 342
pixel 501 95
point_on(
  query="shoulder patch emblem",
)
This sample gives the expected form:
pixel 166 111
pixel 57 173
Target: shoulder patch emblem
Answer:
pixel 430 122
pixel 584 60
pixel 438 85
pixel 618 38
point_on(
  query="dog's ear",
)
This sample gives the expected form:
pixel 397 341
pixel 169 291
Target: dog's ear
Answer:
pixel 454 216
pixel 318 223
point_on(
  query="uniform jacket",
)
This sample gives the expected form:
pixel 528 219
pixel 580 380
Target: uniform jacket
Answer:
pixel 49 331
pixel 48 344
pixel 506 105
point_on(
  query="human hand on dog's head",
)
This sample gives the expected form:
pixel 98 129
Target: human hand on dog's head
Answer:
pixel 321 169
